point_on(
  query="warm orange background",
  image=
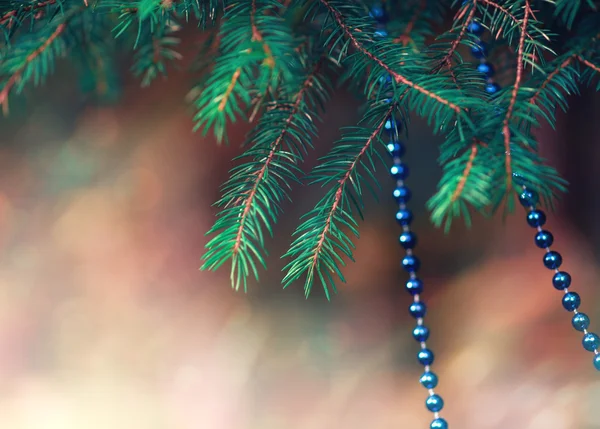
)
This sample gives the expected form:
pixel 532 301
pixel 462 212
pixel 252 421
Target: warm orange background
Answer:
pixel 106 322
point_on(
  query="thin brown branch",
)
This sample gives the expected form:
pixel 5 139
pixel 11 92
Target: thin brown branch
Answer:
pixel 258 37
pixel 549 78
pixel 513 98
pixel 397 76
pixel 234 79
pixel 589 64
pixel 466 172
pixel 510 15
pixel 447 60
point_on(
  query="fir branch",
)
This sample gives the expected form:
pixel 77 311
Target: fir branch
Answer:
pixel 19 68
pixel 320 237
pixel 258 186
pixel 399 78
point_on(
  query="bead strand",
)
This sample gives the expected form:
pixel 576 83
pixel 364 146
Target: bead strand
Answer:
pixel 536 218
pixel 571 301
pixel 410 263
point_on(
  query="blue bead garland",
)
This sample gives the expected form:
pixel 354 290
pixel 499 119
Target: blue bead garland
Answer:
pixel 408 240
pixel 561 280
pixel 536 218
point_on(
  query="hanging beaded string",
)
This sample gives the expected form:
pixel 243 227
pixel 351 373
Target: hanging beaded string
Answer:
pixel 571 301
pixel 536 218
pixel 402 194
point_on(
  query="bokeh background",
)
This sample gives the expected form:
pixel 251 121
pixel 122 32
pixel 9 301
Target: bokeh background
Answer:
pixel 106 321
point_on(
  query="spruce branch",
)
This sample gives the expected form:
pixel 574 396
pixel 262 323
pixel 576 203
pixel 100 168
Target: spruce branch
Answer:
pixel 256 189
pixel 320 241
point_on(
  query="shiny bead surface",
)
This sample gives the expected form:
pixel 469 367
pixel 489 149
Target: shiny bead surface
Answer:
pixel 580 321
pixel 402 194
pixel 399 171
pixel 597 362
pixel 434 403
pixel 404 217
pixel 425 357
pixel 421 333
pixel 378 13
pixel 429 380
pixel 528 198
pixel 395 149
pixel 552 260
pixel 411 263
pixel 561 280
pixel 408 239
pixel 571 301
pixel 414 286
pixel 544 239
pixel 417 309
pixel 536 218
pixel 479 50
pixel 381 32
pixel 486 69
pixel 475 27
pixel 492 88
pixel 591 341
pixel 439 424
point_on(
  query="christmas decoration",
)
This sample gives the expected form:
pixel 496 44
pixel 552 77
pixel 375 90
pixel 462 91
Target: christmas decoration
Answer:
pixel 483 73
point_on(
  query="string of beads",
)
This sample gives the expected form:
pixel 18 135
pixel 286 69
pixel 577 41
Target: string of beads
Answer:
pixel 536 218
pixel 410 263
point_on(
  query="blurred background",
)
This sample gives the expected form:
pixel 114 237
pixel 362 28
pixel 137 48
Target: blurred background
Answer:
pixel 106 321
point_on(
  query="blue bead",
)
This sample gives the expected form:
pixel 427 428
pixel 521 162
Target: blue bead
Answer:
pixel 417 309
pixel 392 126
pixel 479 50
pixel 536 218
pixel 425 357
pixel 411 263
pixel 429 380
pixel 486 69
pixel 434 403
pixel 492 88
pixel 439 424
pixel 395 149
pixel 571 301
pixel 404 217
pixel 378 13
pixel 421 333
pixel 580 321
pixel 561 280
pixel 475 28
pixel 408 239
pixel 552 260
pixel 528 198
pixel 402 194
pixel 591 341
pixel 544 239
pixel 597 362
pixel 399 171
pixel 414 286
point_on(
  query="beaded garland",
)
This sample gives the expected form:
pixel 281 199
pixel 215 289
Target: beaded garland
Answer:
pixel 411 264
pixel 536 218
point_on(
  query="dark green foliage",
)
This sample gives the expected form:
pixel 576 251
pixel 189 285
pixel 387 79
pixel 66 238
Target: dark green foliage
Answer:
pixel 280 60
